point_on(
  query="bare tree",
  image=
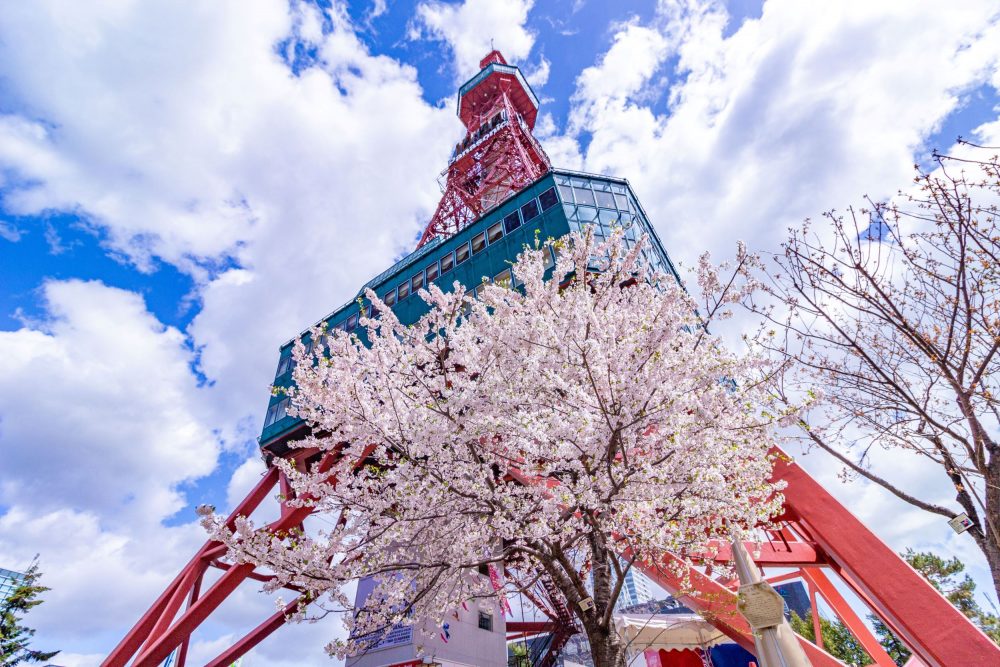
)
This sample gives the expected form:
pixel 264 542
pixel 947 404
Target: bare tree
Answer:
pixel 894 322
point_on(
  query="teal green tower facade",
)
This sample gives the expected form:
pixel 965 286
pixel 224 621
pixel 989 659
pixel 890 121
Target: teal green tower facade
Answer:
pixel 556 204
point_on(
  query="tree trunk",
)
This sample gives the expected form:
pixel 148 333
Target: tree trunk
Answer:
pixel 606 648
pixel 991 520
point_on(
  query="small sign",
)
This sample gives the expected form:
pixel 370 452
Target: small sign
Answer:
pixel 762 606
pixel 961 523
pixel 586 604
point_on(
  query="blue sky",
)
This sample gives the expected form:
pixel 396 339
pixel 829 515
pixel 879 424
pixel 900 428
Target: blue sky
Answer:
pixel 183 188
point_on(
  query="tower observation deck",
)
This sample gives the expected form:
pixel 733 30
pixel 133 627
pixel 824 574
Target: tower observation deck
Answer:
pixel 500 193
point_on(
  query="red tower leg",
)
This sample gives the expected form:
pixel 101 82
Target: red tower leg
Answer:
pixel 936 632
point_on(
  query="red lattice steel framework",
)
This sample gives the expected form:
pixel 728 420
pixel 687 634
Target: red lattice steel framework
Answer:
pixel 818 536
pixel 499 155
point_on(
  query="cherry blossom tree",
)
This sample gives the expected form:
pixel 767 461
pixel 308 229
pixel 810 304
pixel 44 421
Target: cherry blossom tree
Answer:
pixel 542 428
pixel 895 320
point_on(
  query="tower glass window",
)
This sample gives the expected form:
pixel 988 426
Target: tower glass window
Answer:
pixel 494 233
pixel 530 210
pixel 511 222
pixel 479 242
pixel 584 195
pixel 432 272
pixel 548 199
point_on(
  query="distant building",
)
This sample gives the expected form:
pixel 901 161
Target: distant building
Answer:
pixel 9 580
pixel 796 598
pixel 636 590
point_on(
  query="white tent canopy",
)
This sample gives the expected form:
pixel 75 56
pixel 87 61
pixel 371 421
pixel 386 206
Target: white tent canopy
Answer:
pixel 667 631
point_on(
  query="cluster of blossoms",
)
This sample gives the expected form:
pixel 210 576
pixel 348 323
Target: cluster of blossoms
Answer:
pixel 549 426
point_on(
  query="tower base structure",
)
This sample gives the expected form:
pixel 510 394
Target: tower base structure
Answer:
pixel 818 538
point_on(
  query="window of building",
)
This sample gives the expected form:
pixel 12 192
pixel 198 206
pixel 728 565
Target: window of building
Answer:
pixel 486 621
pixel 566 193
pixel 479 242
pixel 461 253
pixel 530 210
pixel 416 282
pixel 494 233
pixel 622 202
pixel 403 290
pixel 432 272
pixel 390 298
pixel 284 365
pixel 276 412
pixel 447 263
pixel 605 199
pixel 586 214
pixel 584 196
pixel 352 322
pixel 503 278
pixel 609 218
pixel 548 199
pixel 511 222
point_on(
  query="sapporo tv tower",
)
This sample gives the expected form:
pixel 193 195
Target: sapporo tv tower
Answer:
pixel 501 191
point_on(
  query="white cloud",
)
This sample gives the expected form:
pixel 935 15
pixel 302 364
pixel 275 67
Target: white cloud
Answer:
pixel 538 75
pixel 101 579
pixel 805 108
pixel 9 232
pixel 244 478
pixel 100 421
pixel 470 26
pixel 100 410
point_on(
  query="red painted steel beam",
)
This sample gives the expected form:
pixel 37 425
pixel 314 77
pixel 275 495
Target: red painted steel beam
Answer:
pixel 794 554
pixel 193 617
pixel 717 604
pixel 522 627
pixel 176 600
pixel 819 582
pixel 136 636
pixel 195 592
pixel 254 637
pixel 256 576
pixel 938 633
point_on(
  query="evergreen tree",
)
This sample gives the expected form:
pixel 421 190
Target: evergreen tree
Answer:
pixel 14 637
pixel 837 639
pixel 942 575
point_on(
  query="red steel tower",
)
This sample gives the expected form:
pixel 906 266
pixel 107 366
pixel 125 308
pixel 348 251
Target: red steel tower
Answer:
pixel 499 191
pixel 499 156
